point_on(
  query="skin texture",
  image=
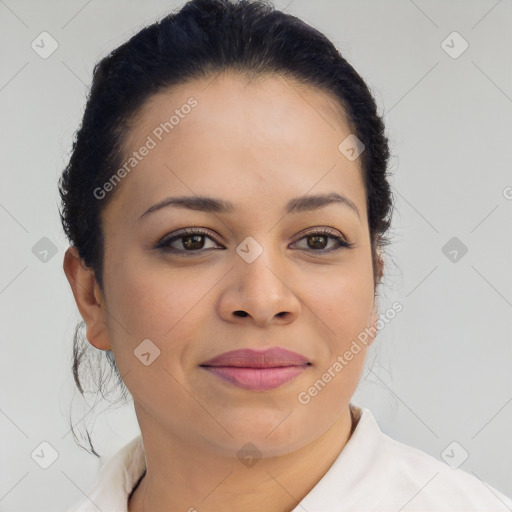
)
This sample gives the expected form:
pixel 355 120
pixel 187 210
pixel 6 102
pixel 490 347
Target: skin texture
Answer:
pixel 257 144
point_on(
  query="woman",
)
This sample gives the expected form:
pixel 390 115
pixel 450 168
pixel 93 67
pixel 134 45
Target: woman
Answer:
pixel 227 204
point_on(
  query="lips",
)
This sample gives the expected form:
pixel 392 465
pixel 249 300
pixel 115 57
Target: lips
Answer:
pixel 257 370
pixel 248 358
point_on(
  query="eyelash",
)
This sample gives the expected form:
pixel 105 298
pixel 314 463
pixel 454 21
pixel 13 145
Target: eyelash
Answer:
pixel 164 243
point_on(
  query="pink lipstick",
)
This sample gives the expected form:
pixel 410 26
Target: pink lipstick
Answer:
pixel 257 370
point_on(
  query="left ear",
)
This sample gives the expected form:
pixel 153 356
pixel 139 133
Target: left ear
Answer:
pixel 372 321
pixel 378 266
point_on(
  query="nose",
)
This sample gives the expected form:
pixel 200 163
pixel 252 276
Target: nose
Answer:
pixel 260 293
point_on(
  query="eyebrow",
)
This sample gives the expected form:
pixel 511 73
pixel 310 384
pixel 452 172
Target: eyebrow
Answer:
pixel 210 204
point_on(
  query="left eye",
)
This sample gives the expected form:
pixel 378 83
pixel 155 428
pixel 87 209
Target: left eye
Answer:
pixel 193 241
pixel 317 241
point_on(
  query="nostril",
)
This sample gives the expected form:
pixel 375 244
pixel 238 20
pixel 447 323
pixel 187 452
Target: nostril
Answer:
pixel 241 313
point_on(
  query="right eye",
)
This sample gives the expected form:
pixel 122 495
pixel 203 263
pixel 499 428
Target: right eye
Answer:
pixel 191 240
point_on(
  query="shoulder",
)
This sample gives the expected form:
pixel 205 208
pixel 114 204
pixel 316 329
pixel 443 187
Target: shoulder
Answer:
pixel 375 472
pixel 115 481
pixel 433 485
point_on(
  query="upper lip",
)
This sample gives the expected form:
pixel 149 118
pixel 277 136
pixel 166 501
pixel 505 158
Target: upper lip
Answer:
pixel 249 358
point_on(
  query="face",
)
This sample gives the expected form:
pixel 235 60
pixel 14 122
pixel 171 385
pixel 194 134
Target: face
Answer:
pixel 269 272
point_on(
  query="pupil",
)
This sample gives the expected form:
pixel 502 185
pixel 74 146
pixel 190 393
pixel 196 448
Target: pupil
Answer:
pixel 195 239
pixel 316 239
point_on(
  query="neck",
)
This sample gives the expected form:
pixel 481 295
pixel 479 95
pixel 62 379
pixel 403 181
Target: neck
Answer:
pixel 180 476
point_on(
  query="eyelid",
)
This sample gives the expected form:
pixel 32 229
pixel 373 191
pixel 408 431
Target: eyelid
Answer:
pixel 186 232
pixel 340 238
pixel 322 230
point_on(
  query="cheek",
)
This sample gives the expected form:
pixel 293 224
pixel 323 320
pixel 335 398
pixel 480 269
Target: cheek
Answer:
pixel 343 298
pixel 343 302
pixel 151 303
pixel 156 302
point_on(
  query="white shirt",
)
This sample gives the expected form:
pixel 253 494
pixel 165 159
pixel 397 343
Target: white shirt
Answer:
pixel 373 472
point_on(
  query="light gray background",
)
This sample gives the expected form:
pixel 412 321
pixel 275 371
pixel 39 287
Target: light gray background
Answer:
pixel 439 372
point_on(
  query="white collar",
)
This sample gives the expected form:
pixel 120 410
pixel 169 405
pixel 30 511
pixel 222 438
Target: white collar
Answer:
pixel 373 472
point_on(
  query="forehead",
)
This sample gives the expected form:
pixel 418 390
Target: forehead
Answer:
pixel 231 137
pixel 270 96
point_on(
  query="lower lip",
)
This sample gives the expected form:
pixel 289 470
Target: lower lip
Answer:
pixel 256 379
